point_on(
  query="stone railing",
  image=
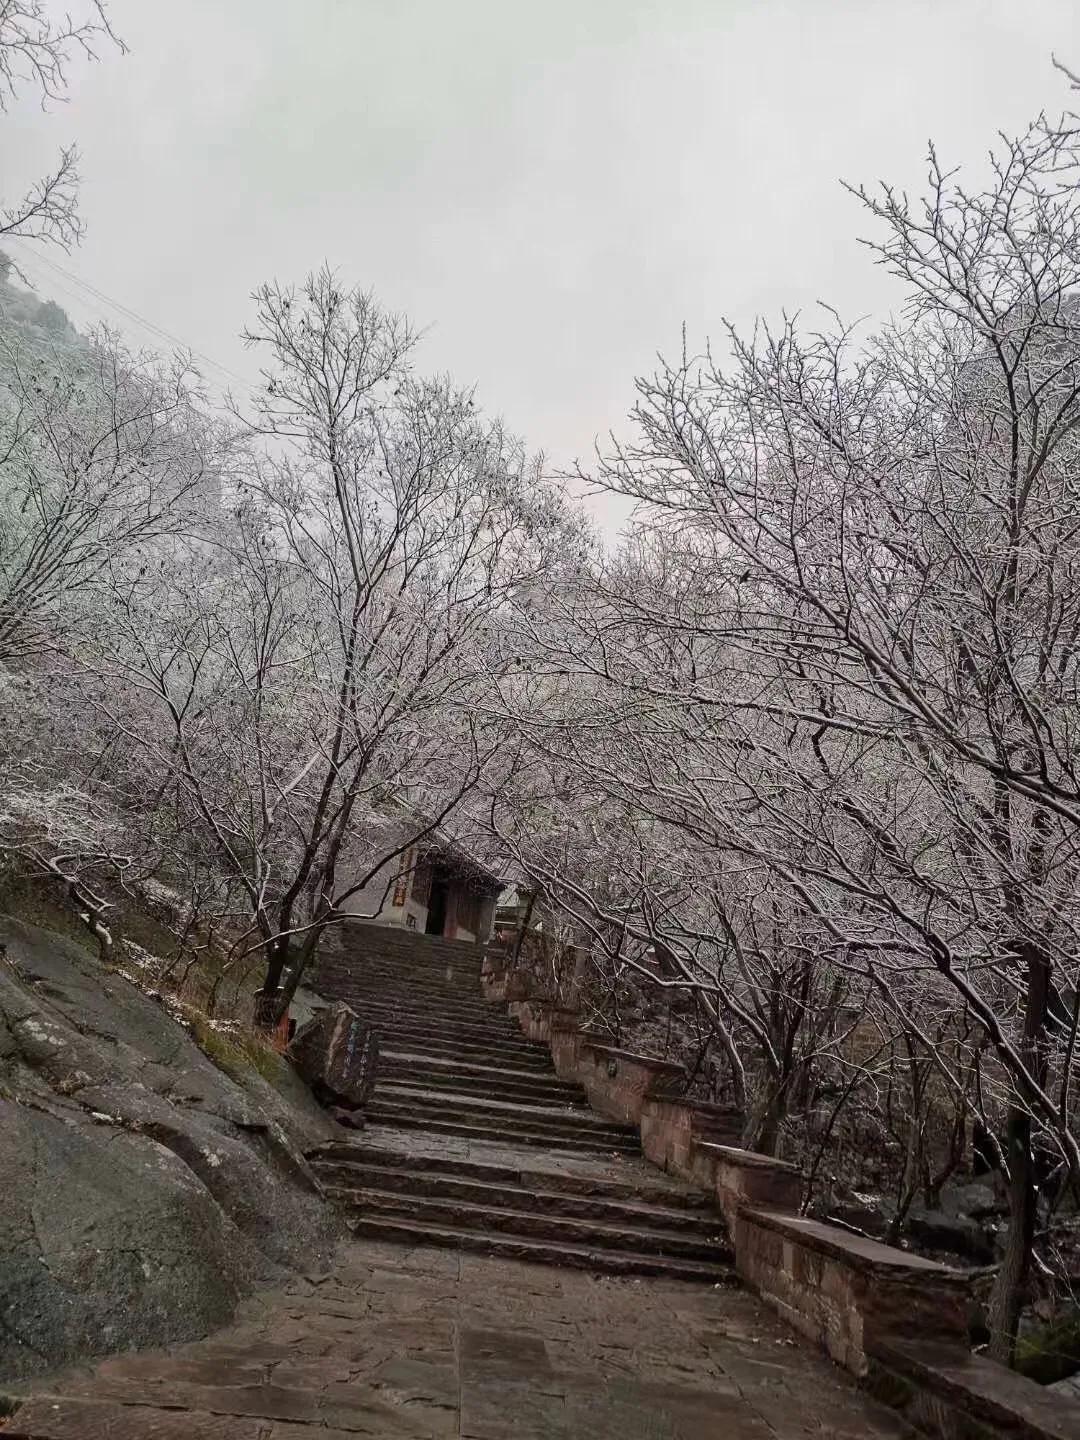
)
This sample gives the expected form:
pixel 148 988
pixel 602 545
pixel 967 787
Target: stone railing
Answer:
pixel 895 1320
pixel 842 1290
pixel 618 1082
pixel 676 1132
pixel 945 1391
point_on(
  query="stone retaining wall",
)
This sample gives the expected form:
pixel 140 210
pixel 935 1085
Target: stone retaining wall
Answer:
pixel 673 1130
pixel 945 1391
pixel 618 1082
pixel 840 1290
pixel 895 1320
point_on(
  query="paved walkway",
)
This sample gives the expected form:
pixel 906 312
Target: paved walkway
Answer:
pixel 433 1343
pixel 630 1172
pixel 474 1141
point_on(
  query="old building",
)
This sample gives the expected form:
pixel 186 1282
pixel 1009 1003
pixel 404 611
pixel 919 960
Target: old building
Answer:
pixel 430 885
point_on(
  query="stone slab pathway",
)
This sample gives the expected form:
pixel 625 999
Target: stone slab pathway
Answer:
pixel 435 1343
pixel 631 1171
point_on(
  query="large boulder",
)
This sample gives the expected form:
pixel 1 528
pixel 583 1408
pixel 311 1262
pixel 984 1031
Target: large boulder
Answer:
pixel 106 1240
pixel 145 1190
pixel 337 1054
pixel 955 1234
pixel 981 1199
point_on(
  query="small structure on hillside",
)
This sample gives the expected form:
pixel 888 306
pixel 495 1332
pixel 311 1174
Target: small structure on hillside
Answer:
pixel 431 884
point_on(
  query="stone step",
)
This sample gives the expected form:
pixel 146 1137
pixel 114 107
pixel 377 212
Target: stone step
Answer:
pixel 641 1188
pixel 476 1056
pixel 395 1038
pixel 408 1007
pixel 544 1252
pixel 405 1118
pixel 394 988
pixel 433 1022
pixel 362 937
pixel 412 953
pixel 456 990
pixel 491 1219
pixel 556 1118
pixel 399 1014
pixel 429 1027
pixel 508 1085
pixel 390 996
pixel 374 983
pixel 360 934
pixel 434 972
pixel 493 1073
pixel 426 960
pixel 433 963
pixel 460 990
pixel 349 1177
pixel 432 960
pixel 420 1030
pixel 391 990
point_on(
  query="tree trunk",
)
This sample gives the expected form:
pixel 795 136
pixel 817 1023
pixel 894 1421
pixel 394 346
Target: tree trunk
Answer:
pixel 268 997
pixel 301 960
pixel 1010 1287
pixel 265 1013
pixel 522 930
pixel 762 1131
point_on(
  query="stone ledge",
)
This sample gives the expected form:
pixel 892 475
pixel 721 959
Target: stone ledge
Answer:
pixel 839 1289
pixel 671 1129
pixel 923 1378
pixel 747 1159
pixel 859 1253
pixel 744 1181
pixel 709 1108
pixel 563 1018
pixel 618 1082
pixel 644 1062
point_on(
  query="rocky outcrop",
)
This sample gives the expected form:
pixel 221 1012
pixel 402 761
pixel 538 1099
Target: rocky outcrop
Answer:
pixel 145 1190
pixel 337 1054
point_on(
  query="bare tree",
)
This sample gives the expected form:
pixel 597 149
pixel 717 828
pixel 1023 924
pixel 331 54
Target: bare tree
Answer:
pixel 314 658
pixel 102 451
pixel 892 533
pixel 632 815
pixel 36 48
pixel 826 702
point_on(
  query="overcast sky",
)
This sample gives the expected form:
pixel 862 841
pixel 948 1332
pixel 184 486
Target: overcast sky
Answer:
pixel 554 186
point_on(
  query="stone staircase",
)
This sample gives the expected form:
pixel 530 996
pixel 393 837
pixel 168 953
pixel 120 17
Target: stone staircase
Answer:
pixel 448 1064
pixel 474 1141
pixel 575 1222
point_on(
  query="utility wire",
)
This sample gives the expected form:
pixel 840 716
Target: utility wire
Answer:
pixel 158 331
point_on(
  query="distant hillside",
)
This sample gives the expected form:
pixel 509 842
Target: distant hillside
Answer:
pixel 24 312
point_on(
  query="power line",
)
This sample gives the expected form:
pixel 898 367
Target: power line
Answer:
pixel 133 315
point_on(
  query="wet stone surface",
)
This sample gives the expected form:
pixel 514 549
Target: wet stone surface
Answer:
pixel 630 1171
pixel 432 1343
